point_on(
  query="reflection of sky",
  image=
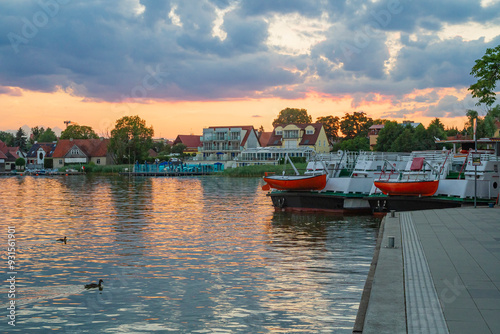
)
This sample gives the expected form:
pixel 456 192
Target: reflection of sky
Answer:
pixel 180 254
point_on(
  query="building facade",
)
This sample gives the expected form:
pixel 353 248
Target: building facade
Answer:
pixel 300 136
pixel 226 143
pixel 37 154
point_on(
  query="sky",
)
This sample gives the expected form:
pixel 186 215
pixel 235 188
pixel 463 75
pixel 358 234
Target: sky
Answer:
pixel 186 65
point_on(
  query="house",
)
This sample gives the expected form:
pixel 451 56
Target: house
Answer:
pixel 227 142
pixel 81 151
pixel 9 156
pixel 192 142
pixel 295 135
pixel 37 154
pixel 497 131
pixel 373 132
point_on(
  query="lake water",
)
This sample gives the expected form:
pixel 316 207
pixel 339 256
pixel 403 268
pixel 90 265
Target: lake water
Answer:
pixel 181 255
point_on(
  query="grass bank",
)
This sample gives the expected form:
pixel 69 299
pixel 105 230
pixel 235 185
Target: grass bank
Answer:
pixel 260 170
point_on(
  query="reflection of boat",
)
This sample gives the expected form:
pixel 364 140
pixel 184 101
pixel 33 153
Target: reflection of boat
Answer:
pixel 296 182
pixel 408 188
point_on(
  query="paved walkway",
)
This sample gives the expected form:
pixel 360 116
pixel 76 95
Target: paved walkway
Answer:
pixel 449 262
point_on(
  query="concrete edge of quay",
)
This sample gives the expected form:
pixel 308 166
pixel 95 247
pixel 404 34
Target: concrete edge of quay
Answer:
pixel 382 310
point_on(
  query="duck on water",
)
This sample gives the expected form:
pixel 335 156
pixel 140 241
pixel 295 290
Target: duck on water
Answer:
pixel 94 285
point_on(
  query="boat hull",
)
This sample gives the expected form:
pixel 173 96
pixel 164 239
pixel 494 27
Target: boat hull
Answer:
pixel 319 202
pixel 301 183
pixel 408 188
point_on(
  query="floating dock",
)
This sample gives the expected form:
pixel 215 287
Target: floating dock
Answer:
pixel 174 169
pixel 441 276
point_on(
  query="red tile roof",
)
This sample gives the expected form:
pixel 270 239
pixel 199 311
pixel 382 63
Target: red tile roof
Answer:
pixel 191 141
pixel 2 155
pixel 91 147
pixel 264 138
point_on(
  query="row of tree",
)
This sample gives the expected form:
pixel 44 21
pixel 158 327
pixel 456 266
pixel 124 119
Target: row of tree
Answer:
pixel 351 131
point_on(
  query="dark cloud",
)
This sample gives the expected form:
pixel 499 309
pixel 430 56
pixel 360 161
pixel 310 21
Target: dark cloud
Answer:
pixel 145 49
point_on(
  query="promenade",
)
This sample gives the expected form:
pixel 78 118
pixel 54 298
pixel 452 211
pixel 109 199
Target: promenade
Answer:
pixel 442 276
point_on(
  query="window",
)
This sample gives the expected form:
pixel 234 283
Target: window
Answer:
pixel 98 161
pixel 60 162
pixel 279 132
pixel 309 132
pixel 74 152
pixel 40 156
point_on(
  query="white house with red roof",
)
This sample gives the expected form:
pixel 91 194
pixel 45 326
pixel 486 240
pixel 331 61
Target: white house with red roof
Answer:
pixel 81 151
pixel 294 140
pixel 227 142
pixel 192 142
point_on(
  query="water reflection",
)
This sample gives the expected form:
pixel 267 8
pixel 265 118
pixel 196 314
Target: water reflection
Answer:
pixel 186 255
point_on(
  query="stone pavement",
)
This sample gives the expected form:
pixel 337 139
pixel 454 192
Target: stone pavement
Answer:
pixel 442 276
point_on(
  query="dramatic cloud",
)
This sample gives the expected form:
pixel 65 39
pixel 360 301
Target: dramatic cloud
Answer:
pixel 226 49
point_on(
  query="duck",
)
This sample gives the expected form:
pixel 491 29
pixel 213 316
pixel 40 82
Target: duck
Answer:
pixel 62 239
pixel 94 285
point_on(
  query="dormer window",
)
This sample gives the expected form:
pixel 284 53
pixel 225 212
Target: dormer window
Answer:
pixel 279 132
pixel 309 132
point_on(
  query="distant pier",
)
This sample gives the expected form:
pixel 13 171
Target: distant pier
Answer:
pixel 174 169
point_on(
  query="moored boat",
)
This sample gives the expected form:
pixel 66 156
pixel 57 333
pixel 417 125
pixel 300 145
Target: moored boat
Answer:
pixel 408 188
pixel 295 182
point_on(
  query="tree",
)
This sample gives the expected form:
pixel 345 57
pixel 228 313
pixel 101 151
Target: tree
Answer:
pixel 387 136
pixel 355 144
pixel 20 139
pixel 47 136
pixel 487 70
pixel 7 138
pixel 405 142
pixel 130 139
pixel 35 134
pixel 76 131
pixel 331 125
pixel 20 162
pixel 178 148
pixel 260 131
pixel 292 115
pixel 355 124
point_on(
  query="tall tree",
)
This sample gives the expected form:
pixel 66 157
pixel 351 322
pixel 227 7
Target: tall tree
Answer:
pixel 487 70
pixel 436 129
pixel 387 136
pixel 355 124
pixel 20 139
pixel 331 125
pixel 292 115
pixel 47 136
pixel 76 131
pixel 131 139
pixel 405 142
pixel 35 134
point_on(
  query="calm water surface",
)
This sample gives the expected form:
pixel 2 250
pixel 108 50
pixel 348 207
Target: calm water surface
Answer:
pixel 180 255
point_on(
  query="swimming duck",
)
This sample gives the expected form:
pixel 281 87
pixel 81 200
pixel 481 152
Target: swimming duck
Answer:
pixel 62 239
pixel 93 285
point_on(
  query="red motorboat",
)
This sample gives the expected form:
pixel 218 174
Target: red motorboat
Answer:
pixel 295 182
pixel 408 188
